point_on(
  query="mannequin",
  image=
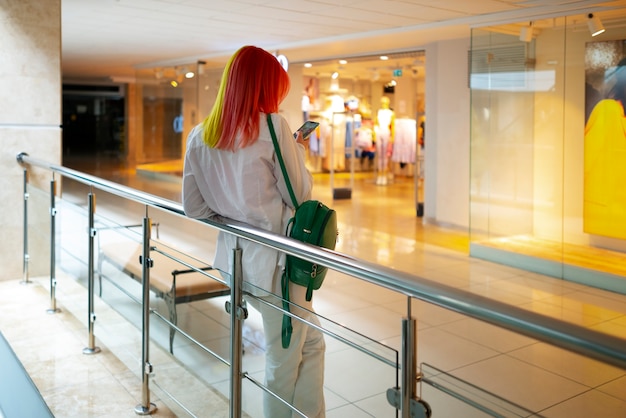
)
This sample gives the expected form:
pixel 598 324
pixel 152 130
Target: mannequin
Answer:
pixel 365 149
pixel 306 106
pixel 384 130
pixel 332 134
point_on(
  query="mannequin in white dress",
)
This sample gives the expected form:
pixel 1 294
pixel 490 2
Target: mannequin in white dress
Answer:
pixel 384 130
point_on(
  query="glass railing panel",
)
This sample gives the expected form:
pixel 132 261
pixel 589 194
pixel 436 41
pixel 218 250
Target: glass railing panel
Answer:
pixel 451 396
pixel 38 203
pixel 201 346
pixel 358 370
pixel 119 310
pixel 72 238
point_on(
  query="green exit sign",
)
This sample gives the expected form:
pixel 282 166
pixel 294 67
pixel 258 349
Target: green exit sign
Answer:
pixel 397 73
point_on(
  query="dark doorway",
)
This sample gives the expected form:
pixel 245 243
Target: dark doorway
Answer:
pixel 93 120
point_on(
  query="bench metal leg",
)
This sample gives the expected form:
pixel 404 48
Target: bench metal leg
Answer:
pixel 170 300
pixel 100 260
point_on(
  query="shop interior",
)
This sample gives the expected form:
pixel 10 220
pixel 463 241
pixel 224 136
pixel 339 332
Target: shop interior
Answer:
pixel 371 119
pixel 371 114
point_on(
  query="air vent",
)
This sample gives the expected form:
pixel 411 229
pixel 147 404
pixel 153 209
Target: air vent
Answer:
pixel 503 59
pixel 506 66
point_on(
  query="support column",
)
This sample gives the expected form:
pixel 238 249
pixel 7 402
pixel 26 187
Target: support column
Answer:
pixel 30 118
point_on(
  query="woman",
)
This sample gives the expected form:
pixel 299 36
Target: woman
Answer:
pixel 231 171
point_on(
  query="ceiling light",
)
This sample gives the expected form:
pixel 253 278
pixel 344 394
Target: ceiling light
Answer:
pixel 307 65
pixel 526 33
pixel 384 57
pixel 343 62
pixel 595 25
pixel 189 74
pixel 335 75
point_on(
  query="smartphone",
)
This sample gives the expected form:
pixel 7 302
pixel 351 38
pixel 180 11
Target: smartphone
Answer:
pixel 308 127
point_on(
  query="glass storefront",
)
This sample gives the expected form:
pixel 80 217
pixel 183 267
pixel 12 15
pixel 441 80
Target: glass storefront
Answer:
pixel 164 105
pixel 544 195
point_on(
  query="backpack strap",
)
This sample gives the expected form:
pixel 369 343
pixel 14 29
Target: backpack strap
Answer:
pixel 309 288
pixel 279 156
pixel 287 328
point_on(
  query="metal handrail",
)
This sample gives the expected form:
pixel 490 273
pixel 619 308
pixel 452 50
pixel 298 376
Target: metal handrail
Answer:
pixel 587 342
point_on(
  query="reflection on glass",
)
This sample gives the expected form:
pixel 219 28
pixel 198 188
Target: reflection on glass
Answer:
pixel 454 397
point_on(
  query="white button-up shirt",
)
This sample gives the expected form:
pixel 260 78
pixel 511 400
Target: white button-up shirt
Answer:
pixel 248 186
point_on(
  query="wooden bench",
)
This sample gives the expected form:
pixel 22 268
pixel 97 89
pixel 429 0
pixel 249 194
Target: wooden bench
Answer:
pixel 169 279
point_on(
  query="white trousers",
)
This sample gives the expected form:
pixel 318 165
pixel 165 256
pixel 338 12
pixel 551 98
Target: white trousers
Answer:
pixel 382 150
pixel 296 373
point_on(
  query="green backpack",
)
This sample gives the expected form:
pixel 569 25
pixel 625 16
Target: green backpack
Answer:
pixel 313 223
pixel 316 224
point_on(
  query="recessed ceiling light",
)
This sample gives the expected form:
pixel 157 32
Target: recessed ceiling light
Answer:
pixel 384 57
pixel 342 62
pixel 308 65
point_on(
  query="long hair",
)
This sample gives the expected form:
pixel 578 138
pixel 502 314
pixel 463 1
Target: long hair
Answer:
pixel 253 82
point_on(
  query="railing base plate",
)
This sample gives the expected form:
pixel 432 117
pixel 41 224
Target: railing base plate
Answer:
pixel 142 410
pixel 88 350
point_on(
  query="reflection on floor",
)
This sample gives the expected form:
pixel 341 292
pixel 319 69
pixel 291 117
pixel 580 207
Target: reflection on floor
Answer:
pixel 611 262
pixel 377 224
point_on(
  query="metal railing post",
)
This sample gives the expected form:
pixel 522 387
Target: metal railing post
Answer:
pixel 410 404
pixel 404 398
pixel 53 280
pixel 91 207
pixel 238 313
pixel 409 355
pixel 145 408
pixel 25 278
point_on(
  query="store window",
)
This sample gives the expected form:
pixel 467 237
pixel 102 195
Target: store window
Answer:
pixel 371 115
pixel 372 121
pixel 530 158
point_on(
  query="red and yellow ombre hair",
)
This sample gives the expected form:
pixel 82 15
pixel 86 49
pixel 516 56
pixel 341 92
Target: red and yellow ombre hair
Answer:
pixel 253 82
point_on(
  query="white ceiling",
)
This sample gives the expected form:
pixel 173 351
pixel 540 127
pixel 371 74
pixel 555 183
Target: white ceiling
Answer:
pixel 112 39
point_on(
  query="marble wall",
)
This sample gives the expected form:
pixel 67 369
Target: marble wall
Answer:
pixel 30 118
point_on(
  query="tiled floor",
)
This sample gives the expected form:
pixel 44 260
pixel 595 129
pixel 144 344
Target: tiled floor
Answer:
pixel 377 224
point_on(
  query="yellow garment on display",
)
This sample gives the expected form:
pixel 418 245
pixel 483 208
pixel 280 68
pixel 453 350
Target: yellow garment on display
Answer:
pixel 604 210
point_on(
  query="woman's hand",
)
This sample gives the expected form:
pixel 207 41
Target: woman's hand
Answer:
pixel 300 140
